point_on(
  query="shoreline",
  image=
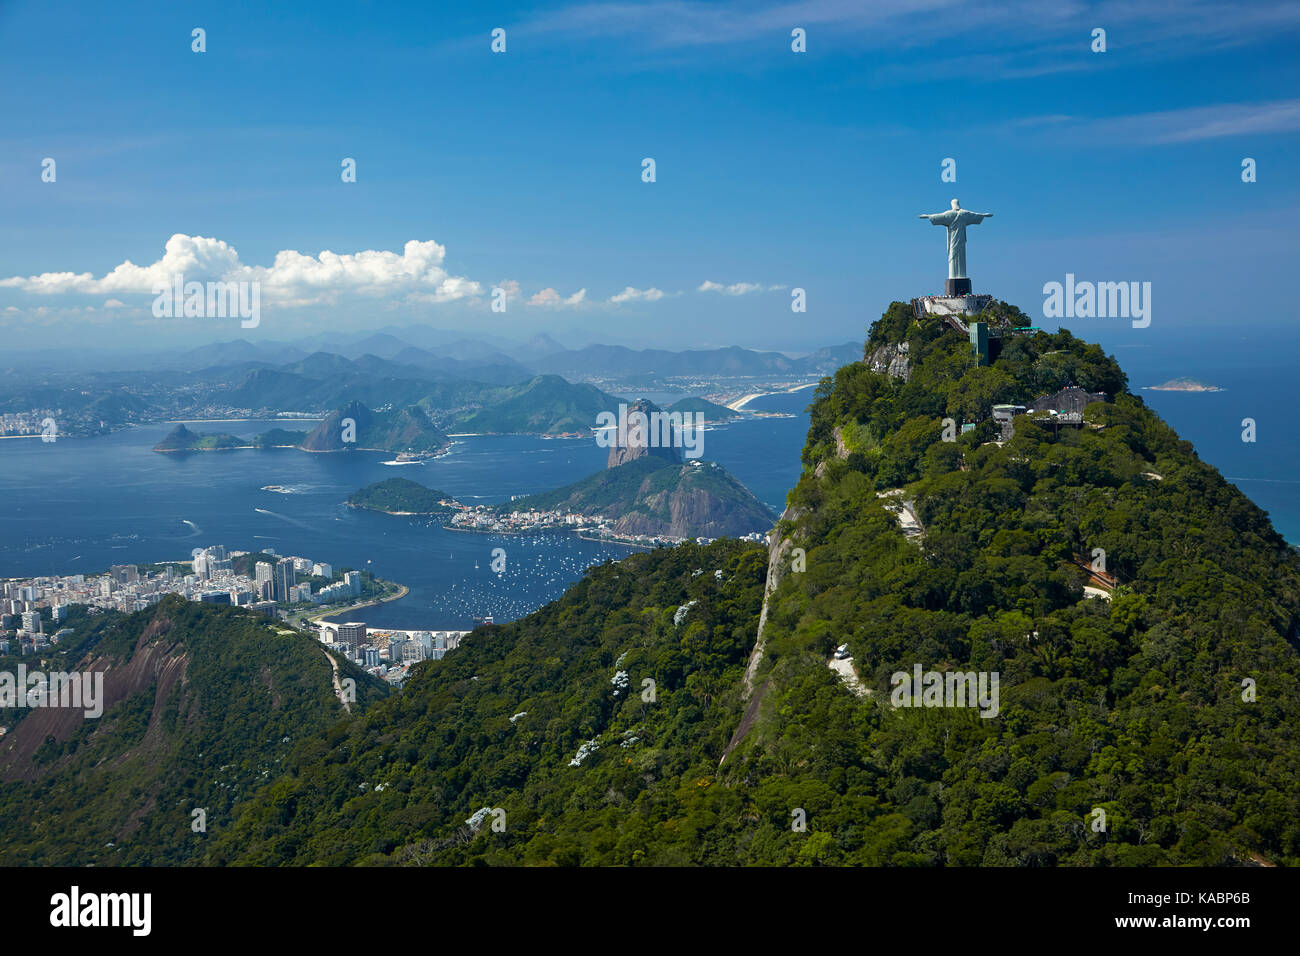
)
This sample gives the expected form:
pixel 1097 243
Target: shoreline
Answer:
pixel 218 421
pixel 740 403
pixel 397 514
pixel 572 531
pixel 402 591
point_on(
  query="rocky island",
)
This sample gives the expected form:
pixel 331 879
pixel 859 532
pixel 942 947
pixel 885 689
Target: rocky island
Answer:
pixel 1184 385
pixel 647 490
pixel 405 431
pixel 182 439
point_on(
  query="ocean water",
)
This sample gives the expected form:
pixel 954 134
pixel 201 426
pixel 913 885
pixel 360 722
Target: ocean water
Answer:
pixel 1257 373
pixel 81 505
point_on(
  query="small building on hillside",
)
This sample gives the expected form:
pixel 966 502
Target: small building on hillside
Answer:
pixel 1071 400
pixel 1066 406
pixel 1004 415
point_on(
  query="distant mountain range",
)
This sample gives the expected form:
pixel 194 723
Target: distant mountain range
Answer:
pixel 450 355
pixel 466 385
pixel 614 361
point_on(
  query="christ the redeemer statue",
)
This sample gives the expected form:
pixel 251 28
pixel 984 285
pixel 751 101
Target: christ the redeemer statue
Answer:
pixel 956 219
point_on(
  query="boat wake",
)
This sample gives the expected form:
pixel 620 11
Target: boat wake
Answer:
pixel 294 521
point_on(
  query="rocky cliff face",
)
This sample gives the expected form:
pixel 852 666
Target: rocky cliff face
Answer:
pixel 405 430
pixel 779 559
pixel 891 359
pixel 178 439
pixel 632 442
pixel 328 435
pixel 695 509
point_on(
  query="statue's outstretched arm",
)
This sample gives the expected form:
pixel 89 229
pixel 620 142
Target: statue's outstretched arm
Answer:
pixel 925 215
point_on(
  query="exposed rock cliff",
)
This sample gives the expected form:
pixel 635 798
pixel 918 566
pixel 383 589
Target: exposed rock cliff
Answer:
pixel 892 359
pixel 635 438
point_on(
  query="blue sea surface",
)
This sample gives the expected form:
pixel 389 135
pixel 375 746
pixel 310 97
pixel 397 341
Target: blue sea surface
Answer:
pixel 82 505
pixel 1257 372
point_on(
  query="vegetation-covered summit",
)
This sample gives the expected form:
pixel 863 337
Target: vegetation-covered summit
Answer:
pixel 1138 702
pixel 402 496
pixel 1147 720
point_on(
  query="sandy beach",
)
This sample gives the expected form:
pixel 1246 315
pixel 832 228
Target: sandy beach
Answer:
pixel 740 403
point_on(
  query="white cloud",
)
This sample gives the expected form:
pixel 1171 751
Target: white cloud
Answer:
pixel 637 295
pixel 736 288
pixel 1022 36
pixel 549 298
pixel 292 279
pixel 114 304
pixel 1190 124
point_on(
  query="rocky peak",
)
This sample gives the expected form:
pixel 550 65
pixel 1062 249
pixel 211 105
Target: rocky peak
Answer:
pixel 637 437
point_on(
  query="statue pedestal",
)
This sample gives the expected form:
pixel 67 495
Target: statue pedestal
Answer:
pixel 955 305
pixel 957 287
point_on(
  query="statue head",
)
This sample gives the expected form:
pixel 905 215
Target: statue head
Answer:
pixel 956 204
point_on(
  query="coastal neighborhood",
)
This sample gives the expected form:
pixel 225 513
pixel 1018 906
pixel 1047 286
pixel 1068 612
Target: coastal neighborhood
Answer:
pixel 273 585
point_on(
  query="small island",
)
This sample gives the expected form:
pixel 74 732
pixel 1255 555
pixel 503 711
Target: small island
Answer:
pixel 407 432
pixel 1184 385
pixel 181 439
pixel 401 496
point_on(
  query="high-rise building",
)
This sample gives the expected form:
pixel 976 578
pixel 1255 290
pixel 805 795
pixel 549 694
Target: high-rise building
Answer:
pixel 32 621
pixel 322 570
pixel 352 634
pixel 353 581
pixel 263 578
pixel 284 578
pixel 125 573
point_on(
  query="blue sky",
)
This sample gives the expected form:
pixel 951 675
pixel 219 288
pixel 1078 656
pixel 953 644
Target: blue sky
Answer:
pixel 774 169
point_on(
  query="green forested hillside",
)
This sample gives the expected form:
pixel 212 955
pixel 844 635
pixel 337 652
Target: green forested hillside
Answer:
pixel 1130 703
pixel 1167 700
pixel 401 496
pixel 499 722
pixel 406 429
pixel 1133 704
pixel 546 405
pixel 202 706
